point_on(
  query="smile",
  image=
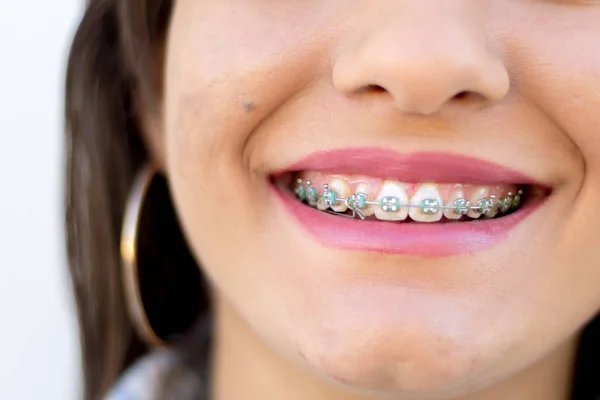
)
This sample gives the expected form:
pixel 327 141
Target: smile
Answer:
pixel 343 200
pixel 400 201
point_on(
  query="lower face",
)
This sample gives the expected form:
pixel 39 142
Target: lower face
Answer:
pixel 403 112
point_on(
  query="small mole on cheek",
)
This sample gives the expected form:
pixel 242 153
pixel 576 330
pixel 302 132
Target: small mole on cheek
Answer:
pixel 248 105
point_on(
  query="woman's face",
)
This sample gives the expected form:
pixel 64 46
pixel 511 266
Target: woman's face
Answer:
pixel 409 100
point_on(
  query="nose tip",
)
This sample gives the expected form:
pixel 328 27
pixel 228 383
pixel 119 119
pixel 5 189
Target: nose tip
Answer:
pixel 422 77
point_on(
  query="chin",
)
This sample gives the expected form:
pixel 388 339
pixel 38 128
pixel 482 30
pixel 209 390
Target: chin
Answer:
pixel 397 357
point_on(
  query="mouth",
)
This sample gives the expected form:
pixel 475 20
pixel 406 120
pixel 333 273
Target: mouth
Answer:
pixel 427 204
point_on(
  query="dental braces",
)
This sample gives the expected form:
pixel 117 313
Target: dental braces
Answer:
pixel 306 192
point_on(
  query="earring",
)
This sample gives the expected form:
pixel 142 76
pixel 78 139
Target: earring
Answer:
pixel 163 285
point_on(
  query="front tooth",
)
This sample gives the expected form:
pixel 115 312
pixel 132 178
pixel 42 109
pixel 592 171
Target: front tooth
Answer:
pixel 342 190
pixel 478 195
pixel 426 200
pixel 457 195
pixel 390 197
pixel 364 189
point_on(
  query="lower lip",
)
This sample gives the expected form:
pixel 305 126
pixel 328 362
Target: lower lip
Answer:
pixel 418 239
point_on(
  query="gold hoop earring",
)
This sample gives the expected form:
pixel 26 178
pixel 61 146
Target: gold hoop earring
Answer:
pixel 163 285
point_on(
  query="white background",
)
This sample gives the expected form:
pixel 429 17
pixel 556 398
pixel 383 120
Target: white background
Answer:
pixel 38 336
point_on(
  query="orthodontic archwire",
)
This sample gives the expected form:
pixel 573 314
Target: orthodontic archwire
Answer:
pixel 306 192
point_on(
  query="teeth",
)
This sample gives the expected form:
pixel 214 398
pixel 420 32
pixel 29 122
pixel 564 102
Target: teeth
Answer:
pixel 393 204
pixel 391 196
pixel 312 194
pixel 477 196
pixel 516 201
pixel 494 209
pixel 505 203
pixel 427 201
pixel 300 190
pixel 457 195
pixel 341 188
pixel 322 202
pixel 364 189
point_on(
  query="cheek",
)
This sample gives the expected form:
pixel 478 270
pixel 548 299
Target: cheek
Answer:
pixel 222 81
pixel 561 82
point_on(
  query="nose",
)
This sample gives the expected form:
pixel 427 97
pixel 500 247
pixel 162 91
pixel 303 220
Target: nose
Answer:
pixel 423 54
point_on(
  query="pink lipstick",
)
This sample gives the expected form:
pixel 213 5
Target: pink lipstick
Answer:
pixel 420 239
pixel 415 167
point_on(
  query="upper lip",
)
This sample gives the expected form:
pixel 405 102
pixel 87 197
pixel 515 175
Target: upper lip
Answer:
pixel 412 167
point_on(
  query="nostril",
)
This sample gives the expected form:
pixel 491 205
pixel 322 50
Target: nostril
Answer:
pixel 462 95
pixel 372 91
pixel 467 97
pixel 376 88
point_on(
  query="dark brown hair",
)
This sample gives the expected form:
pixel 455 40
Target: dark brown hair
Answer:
pixel 112 66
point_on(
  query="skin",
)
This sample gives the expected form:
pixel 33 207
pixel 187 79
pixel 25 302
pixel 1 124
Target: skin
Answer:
pixel 251 86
